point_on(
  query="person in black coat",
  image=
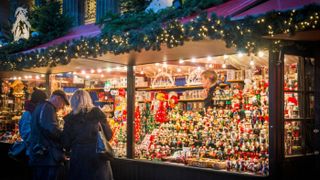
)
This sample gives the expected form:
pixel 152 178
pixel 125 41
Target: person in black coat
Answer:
pixel 209 79
pixel 80 138
pixel 46 155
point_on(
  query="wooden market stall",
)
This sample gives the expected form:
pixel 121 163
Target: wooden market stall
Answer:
pixel 282 82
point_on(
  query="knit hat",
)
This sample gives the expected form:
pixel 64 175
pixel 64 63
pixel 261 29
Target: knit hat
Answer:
pixel 38 96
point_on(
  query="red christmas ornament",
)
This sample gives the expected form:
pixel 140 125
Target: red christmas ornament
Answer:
pixel 122 92
pixel 161 115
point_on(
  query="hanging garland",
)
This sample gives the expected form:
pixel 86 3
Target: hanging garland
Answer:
pixel 245 35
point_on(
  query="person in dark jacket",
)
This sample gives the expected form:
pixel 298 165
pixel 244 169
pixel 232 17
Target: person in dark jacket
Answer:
pixel 80 138
pixel 45 148
pixel 209 80
pixel 37 96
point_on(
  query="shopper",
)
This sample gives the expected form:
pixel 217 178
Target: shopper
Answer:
pixel 209 79
pixel 80 137
pixel 37 96
pixel 46 153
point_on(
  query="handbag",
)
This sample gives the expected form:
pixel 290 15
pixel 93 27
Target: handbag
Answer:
pixel 17 151
pixel 103 147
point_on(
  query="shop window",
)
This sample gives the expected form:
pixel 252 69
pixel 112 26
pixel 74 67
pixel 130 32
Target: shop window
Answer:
pixel 298 106
pixel 172 126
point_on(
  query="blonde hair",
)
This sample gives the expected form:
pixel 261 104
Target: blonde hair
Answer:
pixel 81 102
pixel 211 75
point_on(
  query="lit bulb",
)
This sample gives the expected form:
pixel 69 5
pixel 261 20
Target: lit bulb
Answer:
pixel 109 69
pixel 83 72
pixel 210 66
pixel 118 68
pixel 178 70
pixel 209 58
pixel 92 71
pixel 99 70
pixel 19 78
pixel 37 77
pixel 199 68
pixel 142 72
pixel 26 77
pixel 240 54
pixel 102 75
pixel 164 64
pixel 193 59
pixel 224 66
pixel 30 77
pixel 42 75
pixel 14 78
pixel 225 56
pixel 251 62
pixel 181 61
pixel 87 77
pixel 260 54
pixel 157 64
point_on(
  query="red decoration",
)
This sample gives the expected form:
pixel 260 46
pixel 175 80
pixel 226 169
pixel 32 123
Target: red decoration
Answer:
pixel 137 127
pixel 122 92
pixel 173 101
pixel 161 115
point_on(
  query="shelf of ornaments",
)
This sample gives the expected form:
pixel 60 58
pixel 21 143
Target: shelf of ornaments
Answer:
pixel 251 140
pixel 172 88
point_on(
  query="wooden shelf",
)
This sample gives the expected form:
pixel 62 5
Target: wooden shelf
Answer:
pixel 191 100
pixel 235 81
pixel 147 101
pixel 170 88
pixel 105 101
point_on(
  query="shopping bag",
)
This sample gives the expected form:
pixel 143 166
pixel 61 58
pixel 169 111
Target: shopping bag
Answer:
pixel 103 147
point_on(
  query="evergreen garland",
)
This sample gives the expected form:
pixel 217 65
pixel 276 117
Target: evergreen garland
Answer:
pixel 245 35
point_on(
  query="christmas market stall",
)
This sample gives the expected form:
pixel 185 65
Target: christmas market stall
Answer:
pixel 147 78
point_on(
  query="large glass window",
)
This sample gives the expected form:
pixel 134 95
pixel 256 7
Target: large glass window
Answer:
pixel 298 105
pixel 172 126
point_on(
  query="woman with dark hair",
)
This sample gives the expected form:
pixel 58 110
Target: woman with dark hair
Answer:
pixel 209 79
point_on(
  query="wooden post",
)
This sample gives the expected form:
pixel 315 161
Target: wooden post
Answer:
pixel 317 107
pixel 130 110
pixel 276 140
pixel 48 84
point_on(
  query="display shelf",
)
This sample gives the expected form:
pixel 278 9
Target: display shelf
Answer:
pixel 108 101
pixel 297 119
pixel 235 81
pixel 146 101
pixel 170 88
pixel 190 100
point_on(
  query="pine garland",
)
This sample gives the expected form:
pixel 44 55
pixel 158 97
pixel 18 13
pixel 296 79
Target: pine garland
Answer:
pixel 245 35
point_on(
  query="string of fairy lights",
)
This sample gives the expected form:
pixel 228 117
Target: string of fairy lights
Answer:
pixel 102 73
pixel 245 35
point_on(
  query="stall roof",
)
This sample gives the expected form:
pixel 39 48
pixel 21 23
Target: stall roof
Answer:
pixel 190 49
pixel 274 5
pixel 88 30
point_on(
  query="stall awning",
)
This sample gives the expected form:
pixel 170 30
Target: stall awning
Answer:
pixel 89 30
pixel 275 5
